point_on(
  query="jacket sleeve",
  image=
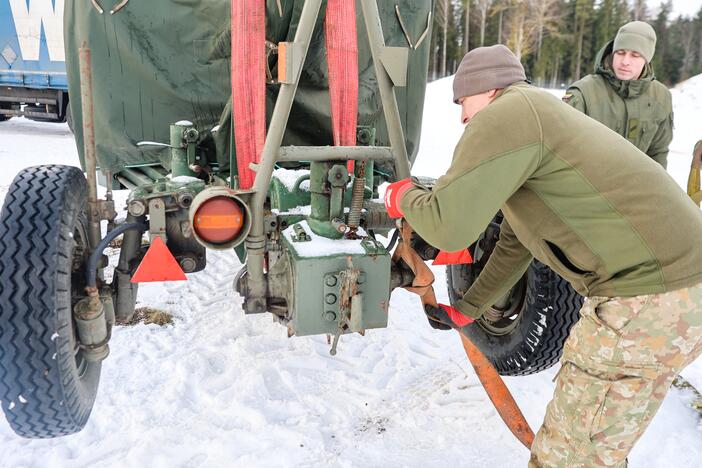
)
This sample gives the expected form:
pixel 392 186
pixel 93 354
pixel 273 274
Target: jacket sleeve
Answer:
pixel 487 168
pixel 574 98
pixel 508 262
pixel 658 150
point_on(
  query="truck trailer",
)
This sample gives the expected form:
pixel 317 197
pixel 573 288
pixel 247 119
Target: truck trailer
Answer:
pixel 33 80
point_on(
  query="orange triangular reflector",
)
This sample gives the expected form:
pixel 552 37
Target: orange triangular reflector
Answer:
pixel 158 265
pixel 453 258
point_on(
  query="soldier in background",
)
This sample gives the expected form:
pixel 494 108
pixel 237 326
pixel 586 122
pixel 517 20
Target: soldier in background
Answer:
pixel 623 93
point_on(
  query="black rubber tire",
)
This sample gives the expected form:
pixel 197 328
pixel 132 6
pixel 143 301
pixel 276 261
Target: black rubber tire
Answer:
pixel 549 310
pixel 47 387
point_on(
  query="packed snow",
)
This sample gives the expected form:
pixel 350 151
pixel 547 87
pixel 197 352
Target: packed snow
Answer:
pixel 218 388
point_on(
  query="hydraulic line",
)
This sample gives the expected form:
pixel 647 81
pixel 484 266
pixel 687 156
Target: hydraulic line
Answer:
pixel 91 266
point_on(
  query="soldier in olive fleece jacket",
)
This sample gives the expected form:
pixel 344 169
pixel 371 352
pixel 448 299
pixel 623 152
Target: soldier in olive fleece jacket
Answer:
pixel 624 95
pixel 550 170
pixel 630 244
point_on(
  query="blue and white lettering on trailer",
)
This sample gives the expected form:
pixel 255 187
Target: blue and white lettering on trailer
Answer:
pixel 33 79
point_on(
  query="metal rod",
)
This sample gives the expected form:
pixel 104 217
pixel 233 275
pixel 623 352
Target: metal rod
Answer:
pixel 387 93
pixel 26 100
pixel 424 34
pixel 97 6
pixel 152 172
pixel 136 177
pixel 334 153
pixel 118 7
pixel 86 96
pixel 126 182
pixel 255 241
pixel 402 25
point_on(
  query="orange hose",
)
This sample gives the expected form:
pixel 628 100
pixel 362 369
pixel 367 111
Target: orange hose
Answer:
pixel 498 393
pixel 493 384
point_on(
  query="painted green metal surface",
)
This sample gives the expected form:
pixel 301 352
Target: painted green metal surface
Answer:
pixel 156 63
pixel 183 148
pixel 315 297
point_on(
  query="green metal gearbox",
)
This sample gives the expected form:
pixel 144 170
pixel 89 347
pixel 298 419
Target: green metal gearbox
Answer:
pixel 336 286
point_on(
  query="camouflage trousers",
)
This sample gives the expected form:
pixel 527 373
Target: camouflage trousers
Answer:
pixel 617 366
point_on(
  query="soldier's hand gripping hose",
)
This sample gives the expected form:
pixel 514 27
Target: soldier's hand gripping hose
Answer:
pixel 445 317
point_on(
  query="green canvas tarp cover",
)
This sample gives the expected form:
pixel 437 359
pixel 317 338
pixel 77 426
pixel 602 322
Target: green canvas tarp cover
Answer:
pixel 158 62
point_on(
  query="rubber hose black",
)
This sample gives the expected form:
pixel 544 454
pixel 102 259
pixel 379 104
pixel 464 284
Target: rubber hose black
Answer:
pixel 91 271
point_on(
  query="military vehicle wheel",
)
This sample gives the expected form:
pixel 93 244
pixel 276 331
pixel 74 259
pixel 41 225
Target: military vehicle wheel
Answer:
pixel 526 333
pixel 47 387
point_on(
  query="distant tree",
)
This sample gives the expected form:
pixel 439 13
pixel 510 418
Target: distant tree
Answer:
pixel 546 18
pixel 611 15
pixel 684 30
pixel 662 59
pixel 466 25
pixel 483 7
pixel 584 12
pixel 557 40
pixel 639 12
pixel 521 27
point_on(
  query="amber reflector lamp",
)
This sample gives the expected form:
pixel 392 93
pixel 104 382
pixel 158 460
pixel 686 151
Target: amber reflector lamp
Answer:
pixel 218 220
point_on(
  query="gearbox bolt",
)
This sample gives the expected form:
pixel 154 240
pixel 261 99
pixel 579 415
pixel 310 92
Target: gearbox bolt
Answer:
pixel 329 316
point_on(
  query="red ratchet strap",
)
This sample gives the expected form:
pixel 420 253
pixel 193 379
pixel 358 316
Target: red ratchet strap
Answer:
pixel 342 59
pixel 248 77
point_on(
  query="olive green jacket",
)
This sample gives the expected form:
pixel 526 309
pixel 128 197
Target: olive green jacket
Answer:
pixel 557 177
pixel 639 110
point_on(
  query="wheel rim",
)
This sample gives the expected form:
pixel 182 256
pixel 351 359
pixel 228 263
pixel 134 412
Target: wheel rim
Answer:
pixel 80 253
pixel 511 315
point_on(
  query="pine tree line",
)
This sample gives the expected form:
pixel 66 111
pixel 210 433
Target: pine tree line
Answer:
pixel 557 40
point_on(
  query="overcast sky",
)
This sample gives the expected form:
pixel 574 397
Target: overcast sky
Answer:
pixel 680 7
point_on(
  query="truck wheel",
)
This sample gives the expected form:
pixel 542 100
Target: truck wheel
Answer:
pixel 47 387
pixel 527 332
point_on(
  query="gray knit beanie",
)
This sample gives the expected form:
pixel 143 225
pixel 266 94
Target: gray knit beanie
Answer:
pixel 486 68
pixel 637 36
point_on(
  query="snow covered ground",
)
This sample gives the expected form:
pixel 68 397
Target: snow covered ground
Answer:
pixel 221 389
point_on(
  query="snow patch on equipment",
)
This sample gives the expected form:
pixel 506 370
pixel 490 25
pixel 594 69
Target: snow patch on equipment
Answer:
pixel 298 210
pixel 184 179
pixel 288 177
pixel 320 246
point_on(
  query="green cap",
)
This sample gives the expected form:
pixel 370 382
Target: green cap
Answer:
pixel 637 36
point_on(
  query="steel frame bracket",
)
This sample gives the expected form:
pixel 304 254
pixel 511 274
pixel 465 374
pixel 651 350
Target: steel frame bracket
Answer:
pixel 157 219
pixel 395 61
pixel 291 56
